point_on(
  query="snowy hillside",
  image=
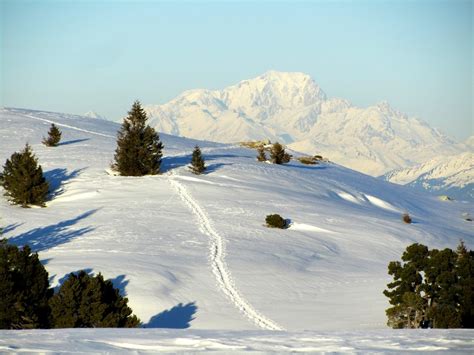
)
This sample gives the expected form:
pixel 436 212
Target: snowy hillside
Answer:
pixel 193 251
pixel 452 175
pixel 293 109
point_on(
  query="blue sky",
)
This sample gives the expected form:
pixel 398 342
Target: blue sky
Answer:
pixel 76 56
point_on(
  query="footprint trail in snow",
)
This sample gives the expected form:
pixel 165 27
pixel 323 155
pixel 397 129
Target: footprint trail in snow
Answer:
pixel 218 264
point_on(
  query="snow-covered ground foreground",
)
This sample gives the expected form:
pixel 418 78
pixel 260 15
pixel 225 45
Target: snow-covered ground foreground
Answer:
pixel 225 342
pixel 193 252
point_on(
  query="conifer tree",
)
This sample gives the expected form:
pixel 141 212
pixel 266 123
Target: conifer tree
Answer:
pixel 139 149
pixel 197 162
pixel 24 289
pixel 54 136
pixel 261 156
pixel 408 306
pixel 278 154
pixel 432 288
pixel 465 284
pixel 85 301
pixel 23 179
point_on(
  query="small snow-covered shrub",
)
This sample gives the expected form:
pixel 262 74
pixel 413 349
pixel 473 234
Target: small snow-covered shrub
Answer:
pixel 275 221
pixel 406 218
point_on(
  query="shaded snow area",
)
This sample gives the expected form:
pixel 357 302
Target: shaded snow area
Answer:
pixel 151 341
pixel 193 252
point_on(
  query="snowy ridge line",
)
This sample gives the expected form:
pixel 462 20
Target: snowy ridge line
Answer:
pixel 67 126
pixel 218 264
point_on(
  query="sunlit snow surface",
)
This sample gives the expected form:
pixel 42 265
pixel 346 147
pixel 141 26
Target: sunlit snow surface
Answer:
pixel 225 342
pixel 192 251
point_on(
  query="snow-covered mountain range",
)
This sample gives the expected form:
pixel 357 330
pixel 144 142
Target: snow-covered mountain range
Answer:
pixel 452 175
pixel 193 252
pixel 293 109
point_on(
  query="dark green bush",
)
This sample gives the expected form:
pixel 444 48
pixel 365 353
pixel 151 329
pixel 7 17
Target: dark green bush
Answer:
pixel 275 221
pixel 85 301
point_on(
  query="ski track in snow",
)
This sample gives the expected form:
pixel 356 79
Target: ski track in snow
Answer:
pixel 67 126
pixel 217 258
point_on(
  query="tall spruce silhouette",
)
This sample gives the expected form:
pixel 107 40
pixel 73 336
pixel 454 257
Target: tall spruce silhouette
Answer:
pixel 139 150
pixel 54 136
pixel 197 162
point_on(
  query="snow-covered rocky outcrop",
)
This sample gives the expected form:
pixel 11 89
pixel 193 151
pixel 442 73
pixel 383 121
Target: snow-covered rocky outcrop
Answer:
pixel 293 109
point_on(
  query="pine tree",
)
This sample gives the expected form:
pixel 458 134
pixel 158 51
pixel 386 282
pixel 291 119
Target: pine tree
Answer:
pixel 85 301
pixel 405 292
pixel 139 150
pixel 24 289
pixel 278 154
pixel 432 287
pixel 197 162
pixel 23 179
pixel 54 136
pixel 465 284
pixel 261 156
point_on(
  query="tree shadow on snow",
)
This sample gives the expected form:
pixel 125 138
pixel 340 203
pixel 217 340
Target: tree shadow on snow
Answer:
pixel 74 141
pixel 170 163
pixel 120 283
pixel 43 238
pixel 56 179
pixel 213 167
pixel 10 227
pixel 178 317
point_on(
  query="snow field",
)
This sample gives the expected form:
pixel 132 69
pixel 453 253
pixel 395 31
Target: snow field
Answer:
pixel 179 239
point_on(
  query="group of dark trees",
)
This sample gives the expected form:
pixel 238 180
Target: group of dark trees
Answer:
pixel 138 153
pixel 28 302
pixel 432 288
pixel 139 149
pixel 277 154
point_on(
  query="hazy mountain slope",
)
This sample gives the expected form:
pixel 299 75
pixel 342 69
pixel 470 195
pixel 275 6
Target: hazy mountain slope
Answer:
pixel 195 246
pixel 292 108
pixel 452 175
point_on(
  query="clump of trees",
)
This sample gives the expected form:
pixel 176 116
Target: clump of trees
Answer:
pixel 27 301
pixel 198 165
pixel 24 289
pixel 275 221
pixel 278 154
pixel 54 136
pixel 91 302
pixel 139 149
pixel 432 288
pixel 23 179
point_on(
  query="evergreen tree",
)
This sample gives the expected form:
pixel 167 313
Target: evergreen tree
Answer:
pixel 278 154
pixel 54 136
pixel 432 287
pixel 197 162
pixel 465 284
pixel 441 280
pixel 405 292
pixel 85 301
pixel 261 156
pixel 23 179
pixel 24 289
pixel 139 150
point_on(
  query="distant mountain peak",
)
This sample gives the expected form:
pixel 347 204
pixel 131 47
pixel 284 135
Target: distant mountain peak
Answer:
pixel 291 107
pixel 93 114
